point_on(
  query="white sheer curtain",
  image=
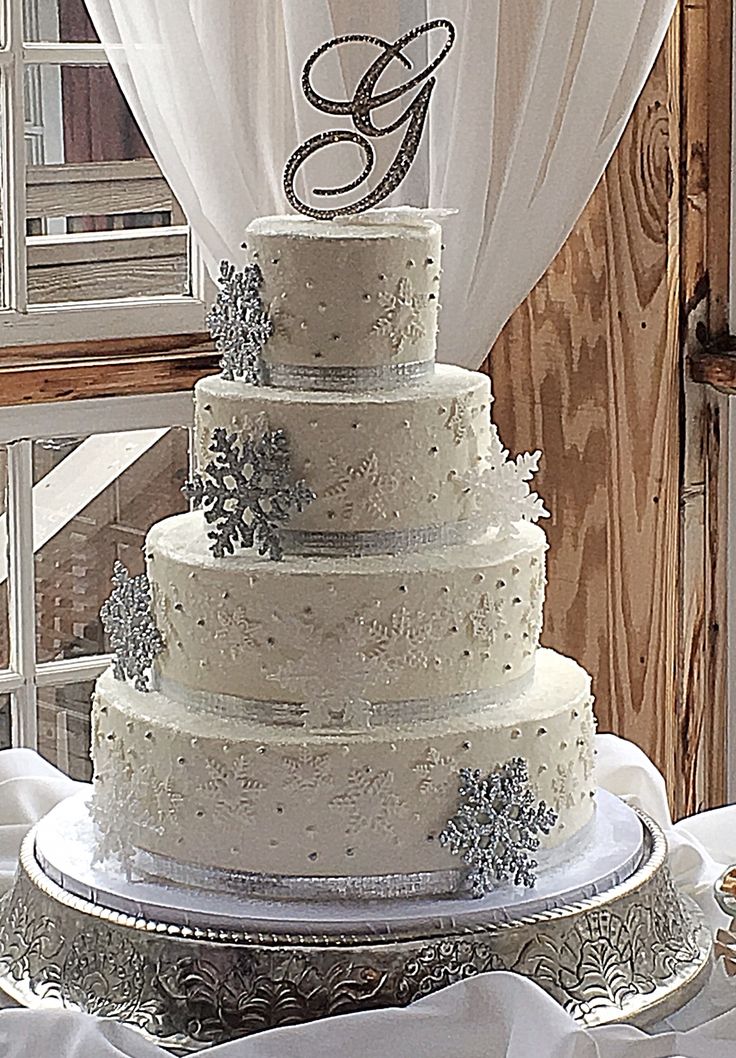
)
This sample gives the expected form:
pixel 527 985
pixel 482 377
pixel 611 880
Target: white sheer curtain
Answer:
pixel 527 110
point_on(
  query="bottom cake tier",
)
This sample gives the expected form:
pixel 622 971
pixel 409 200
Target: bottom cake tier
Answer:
pixel 205 799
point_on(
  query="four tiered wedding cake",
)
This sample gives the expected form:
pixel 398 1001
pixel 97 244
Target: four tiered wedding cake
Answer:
pixel 316 698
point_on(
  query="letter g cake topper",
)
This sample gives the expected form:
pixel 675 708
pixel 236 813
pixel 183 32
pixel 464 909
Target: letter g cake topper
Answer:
pixel 360 109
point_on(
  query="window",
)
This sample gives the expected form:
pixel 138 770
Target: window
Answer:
pixel 69 506
pixel 94 244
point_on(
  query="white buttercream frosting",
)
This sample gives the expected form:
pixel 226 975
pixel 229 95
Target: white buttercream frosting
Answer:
pixel 344 293
pixel 425 624
pixel 240 796
pixel 376 461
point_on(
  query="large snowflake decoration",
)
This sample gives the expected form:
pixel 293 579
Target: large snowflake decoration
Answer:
pixel 129 623
pixel 497 826
pixel 239 323
pixel 401 320
pixel 500 488
pixel 245 491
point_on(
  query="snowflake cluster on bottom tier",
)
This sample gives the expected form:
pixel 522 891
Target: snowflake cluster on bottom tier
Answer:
pixel 497 826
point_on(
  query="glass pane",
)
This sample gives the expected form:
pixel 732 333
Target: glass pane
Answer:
pixel 4 629
pixel 57 20
pixel 64 727
pixel 4 721
pixel 94 501
pixel 102 221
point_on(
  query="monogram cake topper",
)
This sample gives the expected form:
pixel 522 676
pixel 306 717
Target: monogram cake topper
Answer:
pixel 360 109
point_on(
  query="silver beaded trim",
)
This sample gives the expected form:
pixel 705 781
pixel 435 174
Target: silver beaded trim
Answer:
pixel 348 379
pixel 378 542
pixel 372 714
pixel 158 868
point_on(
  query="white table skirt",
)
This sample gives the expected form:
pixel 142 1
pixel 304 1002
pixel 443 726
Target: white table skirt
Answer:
pixel 495 1015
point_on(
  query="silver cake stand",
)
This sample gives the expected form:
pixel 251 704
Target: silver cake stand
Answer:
pixel 606 933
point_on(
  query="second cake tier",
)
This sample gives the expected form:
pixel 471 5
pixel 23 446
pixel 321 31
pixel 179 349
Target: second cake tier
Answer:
pixel 395 467
pixel 379 633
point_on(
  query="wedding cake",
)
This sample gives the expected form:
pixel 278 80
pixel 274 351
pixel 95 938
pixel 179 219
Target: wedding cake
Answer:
pixel 346 695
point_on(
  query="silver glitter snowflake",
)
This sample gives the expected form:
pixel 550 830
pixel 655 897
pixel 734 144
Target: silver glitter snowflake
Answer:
pixel 239 322
pixel 497 826
pixel 245 491
pixel 499 487
pixel 401 319
pixel 128 620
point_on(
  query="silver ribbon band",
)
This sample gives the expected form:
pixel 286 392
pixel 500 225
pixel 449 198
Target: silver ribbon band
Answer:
pixel 380 376
pixel 352 717
pixel 155 867
pixel 378 542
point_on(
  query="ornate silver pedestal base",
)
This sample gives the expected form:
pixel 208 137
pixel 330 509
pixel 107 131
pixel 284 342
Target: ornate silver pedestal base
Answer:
pixel 633 952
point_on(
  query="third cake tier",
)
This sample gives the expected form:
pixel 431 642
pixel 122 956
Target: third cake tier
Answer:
pixel 425 625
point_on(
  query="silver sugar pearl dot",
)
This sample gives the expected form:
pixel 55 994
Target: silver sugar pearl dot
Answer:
pixel 312 856
pixel 515 732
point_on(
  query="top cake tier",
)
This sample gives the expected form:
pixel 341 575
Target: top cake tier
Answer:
pixel 359 299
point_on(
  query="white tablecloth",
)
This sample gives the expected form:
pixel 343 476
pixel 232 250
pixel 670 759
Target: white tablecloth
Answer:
pixel 495 1015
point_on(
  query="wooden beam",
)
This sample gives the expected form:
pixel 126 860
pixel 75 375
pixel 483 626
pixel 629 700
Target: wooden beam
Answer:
pixel 114 368
pixel 705 152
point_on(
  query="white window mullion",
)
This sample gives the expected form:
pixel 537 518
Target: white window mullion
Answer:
pixel 22 593
pixel 14 167
pixel 71 670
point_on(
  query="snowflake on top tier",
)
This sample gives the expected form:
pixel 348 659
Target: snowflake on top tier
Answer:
pixel 401 319
pixel 497 826
pixel 239 322
pixel 245 491
pixel 128 621
pixel 499 488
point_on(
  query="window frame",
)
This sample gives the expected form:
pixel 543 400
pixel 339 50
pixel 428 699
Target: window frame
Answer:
pixel 22 324
pixel 19 428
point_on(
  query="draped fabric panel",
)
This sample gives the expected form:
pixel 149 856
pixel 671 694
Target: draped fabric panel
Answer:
pixel 527 110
